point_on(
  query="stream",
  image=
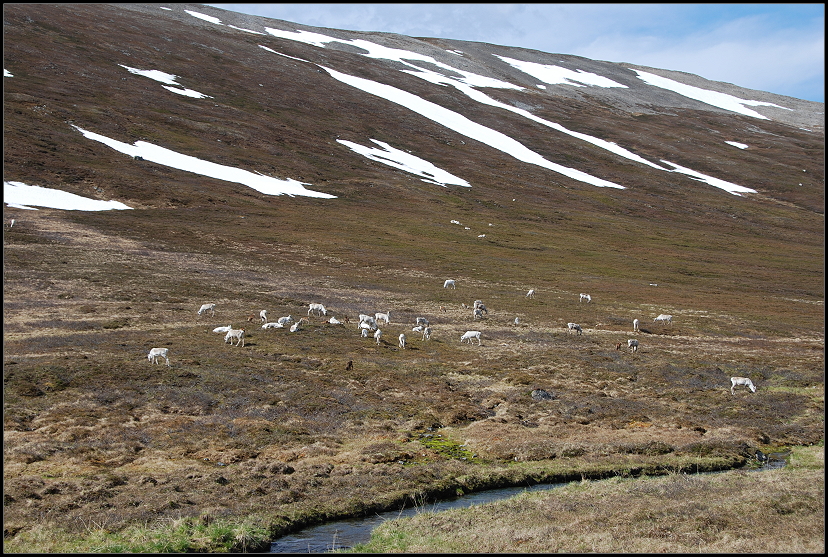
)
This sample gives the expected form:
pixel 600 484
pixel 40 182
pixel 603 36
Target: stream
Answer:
pixel 342 534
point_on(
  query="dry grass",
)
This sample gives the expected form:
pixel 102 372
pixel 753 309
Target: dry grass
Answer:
pixel 94 434
pixel 279 429
pixel 778 511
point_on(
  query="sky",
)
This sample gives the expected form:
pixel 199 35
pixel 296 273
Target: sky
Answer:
pixel 21 195
pixel 778 48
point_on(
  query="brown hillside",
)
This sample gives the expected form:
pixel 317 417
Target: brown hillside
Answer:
pixel 279 428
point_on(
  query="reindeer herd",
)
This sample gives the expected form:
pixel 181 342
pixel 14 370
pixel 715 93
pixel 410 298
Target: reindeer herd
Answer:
pixel 368 323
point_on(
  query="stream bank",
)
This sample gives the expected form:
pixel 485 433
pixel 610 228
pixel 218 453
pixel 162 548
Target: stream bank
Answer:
pixel 345 533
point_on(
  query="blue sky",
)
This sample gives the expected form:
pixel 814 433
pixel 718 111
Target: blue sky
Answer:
pixel 779 48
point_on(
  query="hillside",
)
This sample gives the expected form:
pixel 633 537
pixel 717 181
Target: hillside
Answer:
pixel 260 164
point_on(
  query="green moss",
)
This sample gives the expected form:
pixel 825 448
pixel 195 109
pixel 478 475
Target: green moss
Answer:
pixel 446 447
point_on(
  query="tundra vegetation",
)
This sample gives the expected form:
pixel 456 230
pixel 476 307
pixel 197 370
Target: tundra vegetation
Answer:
pixel 238 444
pixel 231 446
pixel 729 512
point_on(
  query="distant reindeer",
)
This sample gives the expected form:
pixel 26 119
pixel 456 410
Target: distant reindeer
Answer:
pixel 664 318
pixel 156 353
pixel 737 381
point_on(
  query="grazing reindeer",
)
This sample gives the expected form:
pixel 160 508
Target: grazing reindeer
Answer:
pixel 468 335
pixel 156 353
pixel 664 318
pixel 207 307
pixel 237 334
pixel 736 381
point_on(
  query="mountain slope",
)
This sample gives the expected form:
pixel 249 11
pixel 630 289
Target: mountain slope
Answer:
pixel 268 165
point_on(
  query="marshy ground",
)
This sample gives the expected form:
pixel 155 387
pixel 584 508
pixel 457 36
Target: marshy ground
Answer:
pixel 97 438
pixel 232 446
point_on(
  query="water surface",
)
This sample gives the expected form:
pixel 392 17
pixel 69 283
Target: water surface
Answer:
pixel 342 534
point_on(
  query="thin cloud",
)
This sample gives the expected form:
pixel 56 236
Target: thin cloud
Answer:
pixel 769 47
pixel 746 52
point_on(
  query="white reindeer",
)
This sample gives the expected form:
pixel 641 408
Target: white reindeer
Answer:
pixel 263 315
pixel 418 329
pixel 383 316
pixel 207 307
pixel 364 333
pixel 586 297
pixel 422 321
pixel 237 334
pixel 478 313
pixel 531 293
pixel 736 381
pixel 334 321
pixel 664 318
pixel 635 325
pixel 468 335
pixel 295 326
pixel 378 335
pixel 317 309
pixel 367 323
pixel 402 341
pixel 156 353
pixel 449 282
pixel 632 344
pixel 273 325
pixel 427 333
pixel 222 329
pixel 285 320
pixel 478 304
pixel 573 327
